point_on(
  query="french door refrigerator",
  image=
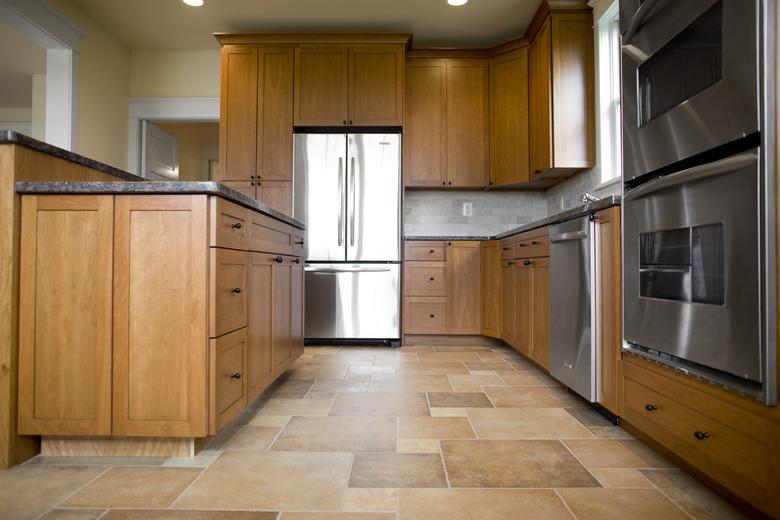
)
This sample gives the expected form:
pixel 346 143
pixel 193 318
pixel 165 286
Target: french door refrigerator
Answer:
pixel 348 192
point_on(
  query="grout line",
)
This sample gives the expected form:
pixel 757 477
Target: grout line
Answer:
pixel 443 465
pixel 578 460
pixel 346 487
pixel 108 468
pixel 565 504
pixel 202 472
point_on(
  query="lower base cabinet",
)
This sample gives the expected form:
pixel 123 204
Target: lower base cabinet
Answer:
pixel 227 359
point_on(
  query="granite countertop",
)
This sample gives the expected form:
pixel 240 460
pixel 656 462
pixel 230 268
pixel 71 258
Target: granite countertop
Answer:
pixel 579 211
pixel 129 183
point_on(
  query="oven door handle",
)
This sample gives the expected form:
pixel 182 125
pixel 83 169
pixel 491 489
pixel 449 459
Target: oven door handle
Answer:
pixel 638 20
pixel 730 164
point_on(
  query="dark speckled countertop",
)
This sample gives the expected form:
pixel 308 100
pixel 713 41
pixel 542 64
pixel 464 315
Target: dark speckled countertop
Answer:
pixel 579 211
pixel 132 183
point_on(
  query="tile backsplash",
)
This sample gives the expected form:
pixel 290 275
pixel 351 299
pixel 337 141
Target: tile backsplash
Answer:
pixel 566 195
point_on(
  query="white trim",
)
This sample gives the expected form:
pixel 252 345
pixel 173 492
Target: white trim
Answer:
pixel 608 183
pixel 42 23
pixel 190 109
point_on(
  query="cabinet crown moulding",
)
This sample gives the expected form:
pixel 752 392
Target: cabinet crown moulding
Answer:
pixel 314 38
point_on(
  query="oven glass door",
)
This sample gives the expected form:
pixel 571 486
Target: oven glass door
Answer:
pixel 689 79
pixel 691 265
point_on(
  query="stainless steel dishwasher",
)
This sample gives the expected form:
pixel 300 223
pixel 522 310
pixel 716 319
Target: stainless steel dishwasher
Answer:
pixel 572 319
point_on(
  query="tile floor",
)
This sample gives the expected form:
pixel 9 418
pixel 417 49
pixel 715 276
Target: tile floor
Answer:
pixel 373 434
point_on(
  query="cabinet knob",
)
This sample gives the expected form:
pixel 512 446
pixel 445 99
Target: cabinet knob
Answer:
pixel 510 263
pixel 490 183
pixel 297 260
pixel 449 182
pixel 431 251
pixel 236 290
pixel 522 244
pixel 433 315
pixel 278 259
pixel 431 278
pixel 237 375
pixel 299 242
pixel 443 183
pixel 701 435
pixel 505 248
pixel 534 243
pixel 651 407
pixel 537 172
pixel 526 262
pixel 344 122
pixel 449 243
pixel 237 225
pixel 350 121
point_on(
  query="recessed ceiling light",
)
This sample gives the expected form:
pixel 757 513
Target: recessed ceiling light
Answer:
pixel 193 3
pixel 457 2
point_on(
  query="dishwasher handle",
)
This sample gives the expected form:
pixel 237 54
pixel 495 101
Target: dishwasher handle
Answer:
pixel 569 236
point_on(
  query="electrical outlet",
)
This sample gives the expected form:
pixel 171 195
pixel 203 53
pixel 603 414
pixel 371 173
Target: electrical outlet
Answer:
pixel 468 209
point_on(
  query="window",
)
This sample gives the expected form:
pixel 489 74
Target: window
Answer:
pixel 608 38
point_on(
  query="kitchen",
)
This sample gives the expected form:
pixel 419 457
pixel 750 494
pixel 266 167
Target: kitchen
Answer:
pixel 531 274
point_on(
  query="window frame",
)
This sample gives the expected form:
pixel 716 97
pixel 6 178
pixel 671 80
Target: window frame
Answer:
pixel 609 102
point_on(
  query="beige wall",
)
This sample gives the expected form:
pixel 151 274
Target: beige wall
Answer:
pixel 104 79
pixel 192 138
pixel 174 74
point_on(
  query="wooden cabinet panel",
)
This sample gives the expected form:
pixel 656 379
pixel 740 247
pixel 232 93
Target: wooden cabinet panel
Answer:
pixel 610 304
pixel 298 242
pixel 244 187
pixel 297 306
pixel 533 244
pixel 425 315
pixel 65 322
pixel 540 95
pixel 228 224
pixel 282 312
pixel 425 130
pixel 269 235
pixel 321 84
pixel 523 307
pixel 467 123
pixel 508 248
pixel 463 287
pixel 277 194
pixel 425 279
pixel 275 114
pixel 425 250
pixel 491 288
pixel 540 296
pixel 508 301
pixel 160 308
pixel 376 85
pixel 509 118
pixel 229 388
pixel 238 113
pixel 260 340
pixel 228 291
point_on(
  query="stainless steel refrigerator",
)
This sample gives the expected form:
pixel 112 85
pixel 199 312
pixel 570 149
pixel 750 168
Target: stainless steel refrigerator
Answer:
pixel 348 192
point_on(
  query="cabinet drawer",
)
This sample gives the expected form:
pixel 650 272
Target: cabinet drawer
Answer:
pixel 508 248
pixel 298 242
pixel 228 295
pixel 532 246
pixel 268 235
pixel 425 315
pixel 229 226
pixel 228 388
pixel 435 251
pixel 425 279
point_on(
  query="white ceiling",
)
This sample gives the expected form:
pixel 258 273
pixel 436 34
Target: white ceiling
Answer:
pixel 172 25
pixel 20 58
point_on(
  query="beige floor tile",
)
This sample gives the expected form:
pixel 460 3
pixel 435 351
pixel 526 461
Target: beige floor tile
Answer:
pixel 140 514
pixel 328 388
pixel 448 411
pixel 475 380
pixel 619 504
pixel 691 495
pixel 273 421
pixel 319 372
pixel 292 389
pixel 482 372
pixel 621 478
pixel 487 463
pixel 290 515
pixel 526 423
pixel 342 359
pixel 461 348
pixel 492 357
pixel 297 407
pixel 370 370
pixel 467 389
pixel 73 514
pixel 431 369
pixel 481 504
pixel 588 416
pixel 418 446
pixel 370 499
pixel 397 470
pixel 434 428
pixel 527 378
pixel 530 396
pixel 271 481
pixel 135 487
pixel 251 438
pixel 393 404
pixel 459 400
pixel 489 365
pixel 607 453
pixel 610 432
pixel 347 434
pixel 409 383
pixel 451 356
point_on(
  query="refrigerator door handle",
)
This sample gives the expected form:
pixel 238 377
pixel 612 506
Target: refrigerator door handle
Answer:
pixel 352 202
pixel 341 202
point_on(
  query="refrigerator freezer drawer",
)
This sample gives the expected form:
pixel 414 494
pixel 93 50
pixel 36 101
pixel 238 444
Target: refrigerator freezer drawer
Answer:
pixel 355 301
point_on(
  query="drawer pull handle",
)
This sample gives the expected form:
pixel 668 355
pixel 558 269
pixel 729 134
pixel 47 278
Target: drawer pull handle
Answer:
pixel 701 435
pixel 237 225
pixel 510 263
pixel 236 290
pixel 526 262
pixel 278 259
pixel 299 242
pixel 297 260
pixel 237 375
pixel 651 407
pixel 506 248
pixel 534 243
pixel 522 244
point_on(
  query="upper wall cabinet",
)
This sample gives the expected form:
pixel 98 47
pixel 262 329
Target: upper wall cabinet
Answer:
pixel 561 93
pixel 509 118
pixel 358 85
pixel 447 114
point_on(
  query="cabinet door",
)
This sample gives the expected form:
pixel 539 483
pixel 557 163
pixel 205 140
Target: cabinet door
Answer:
pixel 463 281
pixel 540 328
pixel 277 194
pixel 523 307
pixel 297 305
pixel 467 123
pixel 491 288
pixel 282 313
pixel 244 187
pixel 238 114
pixel 425 130
pixel 425 315
pixel 509 118
pixel 321 77
pixel 508 301
pixel 227 291
pixel 160 322
pixel 260 340
pixel 228 384
pixel 275 113
pixel 376 85
pixel 540 106
pixel 65 304
pixel 609 341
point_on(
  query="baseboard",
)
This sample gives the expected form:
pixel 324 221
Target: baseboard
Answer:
pixel 166 447
pixel 450 339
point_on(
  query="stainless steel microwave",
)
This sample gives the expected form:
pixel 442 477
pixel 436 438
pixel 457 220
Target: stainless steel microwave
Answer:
pixel 690 78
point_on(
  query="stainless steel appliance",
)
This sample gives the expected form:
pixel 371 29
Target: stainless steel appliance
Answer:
pixel 572 296
pixel 348 191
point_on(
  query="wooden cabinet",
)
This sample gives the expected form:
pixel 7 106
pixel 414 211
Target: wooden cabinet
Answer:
pixel 227 291
pixel 349 85
pixel 508 301
pixel 509 125
pixel 281 290
pixel 561 96
pixel 463 287
pixel 238 114
pixel 277 194
pixel 229 388
pixel 490 266
pixel 540 320
pixel 447 123
pixel 297 306
pixel 610 304
pixel 261 308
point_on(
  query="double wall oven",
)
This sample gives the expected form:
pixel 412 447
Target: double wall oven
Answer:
pixel 699 178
